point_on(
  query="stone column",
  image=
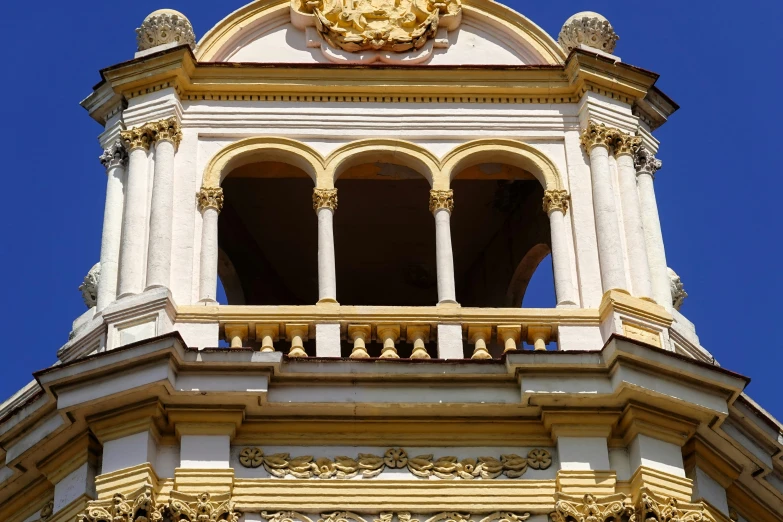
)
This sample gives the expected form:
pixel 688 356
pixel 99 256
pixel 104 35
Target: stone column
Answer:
pixel 210 203
pixel 441 206
pixel 596 140
pixel 134 219
pixel 167 135
pixel 556 205
pixel 115 160
pixel 625 147
pixel 646 166
pixel 324 204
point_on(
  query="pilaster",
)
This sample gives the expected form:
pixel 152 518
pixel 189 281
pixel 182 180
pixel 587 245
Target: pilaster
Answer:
pixel 72 470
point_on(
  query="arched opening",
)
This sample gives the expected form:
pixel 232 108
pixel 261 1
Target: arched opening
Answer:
pixel 384 235
pixel 500 233
pixel 267 234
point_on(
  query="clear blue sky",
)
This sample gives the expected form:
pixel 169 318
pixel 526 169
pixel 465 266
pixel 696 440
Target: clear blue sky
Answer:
pixel 719 191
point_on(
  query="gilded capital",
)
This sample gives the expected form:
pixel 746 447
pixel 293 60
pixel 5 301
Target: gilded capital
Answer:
pixel 655 509
pixel 597 135
pixel 442 199
pixel 556 200
pixel 626 144
pixel 210 197
pixel 589 507
pixel 646 162
pixel 138 138
pixel 166 130
pixel 325 198
pixel 115 155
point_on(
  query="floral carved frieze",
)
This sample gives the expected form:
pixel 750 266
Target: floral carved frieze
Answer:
pixel 368 465
pixel 141 506
pixel 403 516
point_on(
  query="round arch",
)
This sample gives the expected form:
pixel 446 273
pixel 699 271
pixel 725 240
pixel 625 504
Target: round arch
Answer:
pixel 397 152
pixel 502 151
pixel 251 150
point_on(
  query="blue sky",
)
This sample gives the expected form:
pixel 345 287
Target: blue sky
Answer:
pixel 719 190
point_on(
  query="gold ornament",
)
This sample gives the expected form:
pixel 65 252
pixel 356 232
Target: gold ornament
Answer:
pixel 209 197
pixel 325 198
pixel 442 199
pixel 556 200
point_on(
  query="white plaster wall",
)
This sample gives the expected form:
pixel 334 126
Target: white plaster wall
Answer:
pixel 583 453
pixel 205 451
pixel 707 488
pixel 656 454
pixel 393 395
pixel 34 436
pixel 620 462
pixel 167 461
pixel 129 451
pixel 79 482
pixel 462 452
pixel 187 182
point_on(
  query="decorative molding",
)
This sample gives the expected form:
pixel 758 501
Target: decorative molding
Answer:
pixel 556 200
pixel 646 162
pixel 677 288
pixel 167 129
pixel 589 29
pixel 625 144
pixel 596 135
pixel 210 197
pixel 137 138
pixel 324 198
pixel 442 199
pixel 114 156
pixel 619 507
pixel 136 507
pixel 389 516
pixel 89 287
pixel 423 466
pixel 652 509
pixel 164 27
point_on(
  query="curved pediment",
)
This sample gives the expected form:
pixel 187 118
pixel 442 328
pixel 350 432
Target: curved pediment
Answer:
pixel 427 32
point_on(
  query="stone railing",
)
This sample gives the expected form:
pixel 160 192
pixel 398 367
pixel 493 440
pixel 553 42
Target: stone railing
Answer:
pixel 442 332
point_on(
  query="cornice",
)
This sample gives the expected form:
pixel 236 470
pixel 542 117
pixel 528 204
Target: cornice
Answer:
pixel 638 419
pixel 699 452
pixel 177 68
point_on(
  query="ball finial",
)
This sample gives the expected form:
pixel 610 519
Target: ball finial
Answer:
pixel 590 29
pixel 164 26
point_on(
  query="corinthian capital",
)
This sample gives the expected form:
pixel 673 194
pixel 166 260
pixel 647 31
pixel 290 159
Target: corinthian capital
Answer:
pixel 138 138
pixel 646 162
pixel 210 197
pixel 114 156
pixel 625 144
pixel 556 200
pixel 442 199
pixel 165 130
pixel 657 509
pixel 325 198
pixel 589 507
pixel 596 135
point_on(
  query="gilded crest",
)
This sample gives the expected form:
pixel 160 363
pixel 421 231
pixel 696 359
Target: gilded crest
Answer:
pixel 380 25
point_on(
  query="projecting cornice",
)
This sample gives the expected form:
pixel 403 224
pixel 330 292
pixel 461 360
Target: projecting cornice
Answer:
pixel 178 69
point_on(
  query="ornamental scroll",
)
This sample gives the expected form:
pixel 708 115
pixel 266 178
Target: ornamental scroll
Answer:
pixel 368 30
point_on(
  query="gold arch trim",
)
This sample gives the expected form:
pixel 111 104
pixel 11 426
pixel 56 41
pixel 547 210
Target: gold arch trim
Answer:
pixel 513 24
pixel 325 171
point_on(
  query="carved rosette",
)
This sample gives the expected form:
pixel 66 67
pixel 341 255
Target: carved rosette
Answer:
pixel 556 200
pixel 164 27
pixel 46 511
pixel 626 144
pixel 210 197
pixel 324 198
pixel 165 130
pixel 281 465
pixel 114 156
pixel 596 135
pixel 138 138
pixel 441 199
pixel 646 162
pixel 590 29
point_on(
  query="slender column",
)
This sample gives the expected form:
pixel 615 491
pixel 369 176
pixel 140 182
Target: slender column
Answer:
pixel 441 206
pixel 210 202
pixel 166 134
pixel 134 219
pixel 646 167
pixel 324 204
pixel 556 205
pixel 596 140
pixel 625 146
pixel 115 160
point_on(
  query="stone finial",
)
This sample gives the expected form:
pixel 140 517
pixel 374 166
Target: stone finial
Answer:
pixel 114 155
pixel 678 289
pixel 590 29
pixel 645 161
pixel 89 288
pixel 442 199
pixel 164 26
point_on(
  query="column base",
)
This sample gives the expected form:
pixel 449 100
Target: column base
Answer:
pixel 448 303
pixel 327 301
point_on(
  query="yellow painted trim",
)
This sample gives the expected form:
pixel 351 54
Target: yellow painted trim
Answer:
pixel 598 483
pixel 125 481
pixel 699 452
pixel 661 483
pixel 750 507
pixel 71 511
pixel 666 426
pixel 199 480
pixel 69 457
